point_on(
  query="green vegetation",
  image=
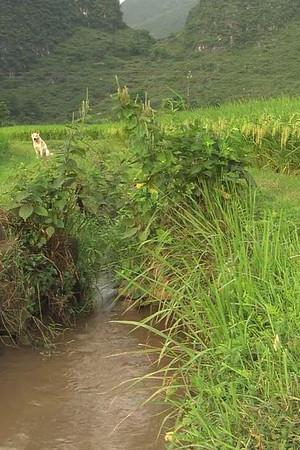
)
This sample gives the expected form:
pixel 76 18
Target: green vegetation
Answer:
pixel 260 64
pixel 226 278
pixel 4 145
pixel 53 220
pixel 196 210
pixel 160 17
pixel 237 24
pixel 4 113
pixel 31 30
pixel 90 58
pixel 221 274
pixel 267 131
pixel 170 201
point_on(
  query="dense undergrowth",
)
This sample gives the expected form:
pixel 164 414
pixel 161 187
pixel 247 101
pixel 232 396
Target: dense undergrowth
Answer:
pixel 168 201
pixel 224 280
pixel 219 267
pixel 52 242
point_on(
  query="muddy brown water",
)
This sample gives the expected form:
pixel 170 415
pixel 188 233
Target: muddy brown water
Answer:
pixel 67 400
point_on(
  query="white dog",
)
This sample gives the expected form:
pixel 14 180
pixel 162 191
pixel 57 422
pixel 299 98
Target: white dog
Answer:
pixel 40 146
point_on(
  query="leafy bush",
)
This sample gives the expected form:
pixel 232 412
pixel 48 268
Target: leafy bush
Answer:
pixel 174 161
pixel 42 278
pixel 174 104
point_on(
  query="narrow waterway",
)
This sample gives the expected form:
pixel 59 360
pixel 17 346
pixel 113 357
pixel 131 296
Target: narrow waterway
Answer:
pixel 67 400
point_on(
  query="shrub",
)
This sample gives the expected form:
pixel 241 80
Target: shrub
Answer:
pixel 173 161
pixel 42 279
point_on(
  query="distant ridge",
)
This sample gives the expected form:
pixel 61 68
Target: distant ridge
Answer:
pixel 160 17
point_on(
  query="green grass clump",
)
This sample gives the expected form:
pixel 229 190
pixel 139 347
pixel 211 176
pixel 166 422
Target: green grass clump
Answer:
pixel 226 279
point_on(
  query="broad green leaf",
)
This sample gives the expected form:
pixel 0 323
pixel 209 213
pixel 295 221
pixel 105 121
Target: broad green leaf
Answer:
pixel 41 211
pixel 21 196
pixel 60 223
pixel 58 182
pixel 25 211
pixel 130 233
pixel 13 206
pixel 60 204
pixel 50 231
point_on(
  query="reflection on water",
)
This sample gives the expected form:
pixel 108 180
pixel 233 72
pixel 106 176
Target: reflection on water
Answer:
pixel 69 402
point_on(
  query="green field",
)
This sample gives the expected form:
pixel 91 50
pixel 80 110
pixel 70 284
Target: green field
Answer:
pixel 268 130
pixel 219 264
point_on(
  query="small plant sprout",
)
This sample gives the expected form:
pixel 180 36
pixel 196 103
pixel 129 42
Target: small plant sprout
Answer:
pixel 188 89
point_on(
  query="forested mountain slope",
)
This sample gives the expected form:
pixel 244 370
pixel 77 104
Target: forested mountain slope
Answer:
pixel 217 24
pixel 160 17
pixel 32 28
pixel 90 58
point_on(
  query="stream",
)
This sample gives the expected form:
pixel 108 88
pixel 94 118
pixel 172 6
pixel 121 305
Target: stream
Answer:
pixel 70 399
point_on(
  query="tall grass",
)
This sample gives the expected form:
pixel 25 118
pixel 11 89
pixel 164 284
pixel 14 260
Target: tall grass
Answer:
pixel 4 145
pixel 226 280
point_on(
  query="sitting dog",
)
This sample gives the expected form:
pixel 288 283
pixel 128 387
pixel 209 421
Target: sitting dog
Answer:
pixel 40 146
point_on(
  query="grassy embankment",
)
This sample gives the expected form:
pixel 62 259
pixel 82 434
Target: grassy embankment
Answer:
pixel 225 275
